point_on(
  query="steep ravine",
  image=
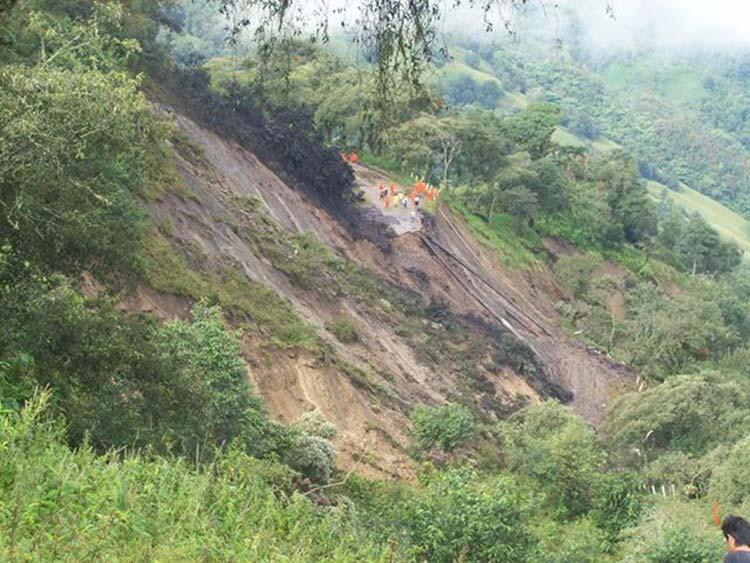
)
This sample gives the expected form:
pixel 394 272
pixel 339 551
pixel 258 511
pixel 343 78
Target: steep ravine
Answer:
pixel 455 283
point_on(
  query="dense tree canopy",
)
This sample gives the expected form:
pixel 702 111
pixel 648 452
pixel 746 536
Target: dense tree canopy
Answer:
pixel 74 147
pixel 78 140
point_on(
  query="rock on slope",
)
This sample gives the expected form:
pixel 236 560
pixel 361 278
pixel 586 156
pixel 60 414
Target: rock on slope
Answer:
pixel 437 318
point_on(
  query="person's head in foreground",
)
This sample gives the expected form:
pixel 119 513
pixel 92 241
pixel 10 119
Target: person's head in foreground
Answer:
pixel 736 533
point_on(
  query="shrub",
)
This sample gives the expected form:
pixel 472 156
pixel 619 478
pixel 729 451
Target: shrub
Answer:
pixel 311 451
pixel 729 481
pixel 578 541
pixel 553 445
pixel 617 503
pixel 315 424
pixel 674 531
pixel 125 380
pixel 344 330
pixel 58 503
pixel 312 456
pixel 462 516
pixel 689 414
pixel 575 272
pixel 69 167
pixel 689 474
pixel 205 352
pixel 447 427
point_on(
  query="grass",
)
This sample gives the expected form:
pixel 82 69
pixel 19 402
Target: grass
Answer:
pixel 457 68
pixel 731 226
pixel 501 234
pixel 682 84
pixel 459 54
pixel 565 138
pixel 513 100
pixel 343 329
pixel 677 81
pixel 620 74
pixel 59 504
pixel 259 308
pixel 603 146
pixel 643 266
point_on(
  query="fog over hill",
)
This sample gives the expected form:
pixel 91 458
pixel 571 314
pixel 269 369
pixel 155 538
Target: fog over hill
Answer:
pixel 614 24
pixel 673 24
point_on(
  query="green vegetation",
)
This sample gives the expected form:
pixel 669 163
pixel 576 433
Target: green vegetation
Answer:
pixel 344 330
pixel 69 164
pixel 59 503
pixel 556 448
pixel 514 246
pixel 447 428
pixel 461 516
pixel 312 452
pixel 259 307
pixel 126 437
pixel 730 225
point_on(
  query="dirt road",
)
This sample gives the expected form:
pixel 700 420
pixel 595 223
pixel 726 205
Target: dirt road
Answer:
pixel 397 217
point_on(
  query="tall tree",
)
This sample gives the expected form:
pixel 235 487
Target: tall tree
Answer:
pixel 402 35
pixel 701 250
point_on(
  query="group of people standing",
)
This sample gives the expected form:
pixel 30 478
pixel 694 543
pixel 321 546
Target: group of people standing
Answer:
pixel 390 195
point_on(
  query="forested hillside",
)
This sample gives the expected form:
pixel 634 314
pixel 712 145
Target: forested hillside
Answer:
pixel 682 115
pixel 226 337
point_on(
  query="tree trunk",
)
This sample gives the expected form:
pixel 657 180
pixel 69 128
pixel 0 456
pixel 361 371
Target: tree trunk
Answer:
pixel 492 206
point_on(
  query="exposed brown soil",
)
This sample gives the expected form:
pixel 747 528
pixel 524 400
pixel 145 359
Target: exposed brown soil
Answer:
pixel 440 262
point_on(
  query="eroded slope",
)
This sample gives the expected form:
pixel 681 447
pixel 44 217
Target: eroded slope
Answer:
pixel 434 315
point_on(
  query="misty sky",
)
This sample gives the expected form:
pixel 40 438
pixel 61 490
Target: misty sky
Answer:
pixel 656 23
pixel 679 24
pixel 673 23
pixel 636 23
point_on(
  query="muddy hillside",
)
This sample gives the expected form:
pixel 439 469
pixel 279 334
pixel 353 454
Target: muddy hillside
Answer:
pixel 419 313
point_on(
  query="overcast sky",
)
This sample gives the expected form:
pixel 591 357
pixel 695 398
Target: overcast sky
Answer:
pixel 674 23
pixel 678 24
pixel 667 23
